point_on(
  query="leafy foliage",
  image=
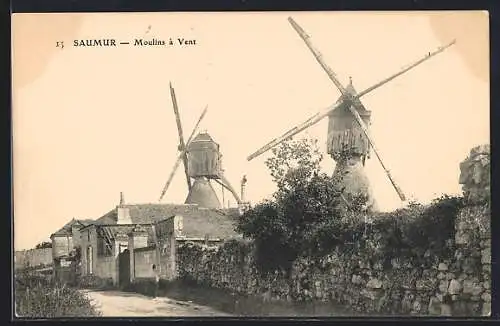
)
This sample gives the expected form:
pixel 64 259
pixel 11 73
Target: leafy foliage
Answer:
pixel 412 230
pixel 43 245
pixel 304 210
pixel 37 296
pixel 305 217
pixel 293 163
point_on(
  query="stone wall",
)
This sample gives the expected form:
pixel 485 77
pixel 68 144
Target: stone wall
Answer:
pixel 33 257
pixel 106 267
pixel 144 258
pixel 454 280
pixel 475 176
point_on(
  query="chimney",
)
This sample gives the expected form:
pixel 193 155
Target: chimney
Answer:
pixel 244 206
pixel 243 185
pixel 123 212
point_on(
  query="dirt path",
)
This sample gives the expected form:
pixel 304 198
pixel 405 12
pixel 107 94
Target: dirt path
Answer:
pixel 124 304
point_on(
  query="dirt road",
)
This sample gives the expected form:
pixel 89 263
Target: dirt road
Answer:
pixel 124 304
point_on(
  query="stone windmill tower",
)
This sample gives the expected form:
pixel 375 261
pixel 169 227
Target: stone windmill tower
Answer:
pixel 349 142
pixel 202 162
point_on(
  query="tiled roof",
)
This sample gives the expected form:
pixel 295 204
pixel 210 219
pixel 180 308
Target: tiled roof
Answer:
pixel 197 222
pixel 66 229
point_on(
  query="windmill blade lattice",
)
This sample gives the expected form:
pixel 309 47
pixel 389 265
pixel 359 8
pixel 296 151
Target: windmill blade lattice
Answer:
pixel 181 154
pixel 182 145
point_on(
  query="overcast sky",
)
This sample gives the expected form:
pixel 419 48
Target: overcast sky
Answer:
pixel 91 122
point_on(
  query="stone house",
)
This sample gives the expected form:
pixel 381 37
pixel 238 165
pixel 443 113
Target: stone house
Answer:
pixel 125 243
pixel 65 242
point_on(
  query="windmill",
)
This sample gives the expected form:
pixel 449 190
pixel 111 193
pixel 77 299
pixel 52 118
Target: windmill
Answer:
pixel 201 158
pixel 349 141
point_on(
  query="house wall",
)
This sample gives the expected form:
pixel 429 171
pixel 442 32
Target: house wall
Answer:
pixel 61 245
pixel 75 230
pixel 88 238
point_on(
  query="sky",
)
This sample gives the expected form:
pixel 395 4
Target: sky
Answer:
pixel 89 123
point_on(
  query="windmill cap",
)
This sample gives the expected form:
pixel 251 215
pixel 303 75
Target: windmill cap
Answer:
pixel 203 136
pixel 203 141
pixel 360 107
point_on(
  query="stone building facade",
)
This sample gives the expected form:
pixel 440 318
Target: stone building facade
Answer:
pixel 126 242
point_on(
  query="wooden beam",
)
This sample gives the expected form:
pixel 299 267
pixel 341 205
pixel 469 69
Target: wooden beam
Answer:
pixel 181 155
pixel 182 145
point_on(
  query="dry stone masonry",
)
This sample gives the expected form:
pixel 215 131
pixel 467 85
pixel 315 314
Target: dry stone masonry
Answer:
pixel 475 174
pixel 452 281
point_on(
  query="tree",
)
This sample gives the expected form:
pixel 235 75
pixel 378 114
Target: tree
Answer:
pixel 303 216
pixel 44 245
pixel 294 163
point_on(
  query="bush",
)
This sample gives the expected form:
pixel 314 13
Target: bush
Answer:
pixel 43 245
pixel 414 229
pixel 305 204
pixel 39 297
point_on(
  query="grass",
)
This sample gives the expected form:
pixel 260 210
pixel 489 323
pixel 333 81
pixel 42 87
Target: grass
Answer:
pixel 38 296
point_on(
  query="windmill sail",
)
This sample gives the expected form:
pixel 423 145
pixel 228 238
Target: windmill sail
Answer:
pixel 182 145
pixel 295 130
pixel 322 114
pixel 181 155
pixel 375 150
pixel 351 98
pixel 333 76
pixel 344 92
pixel 409 67
pixel 317 55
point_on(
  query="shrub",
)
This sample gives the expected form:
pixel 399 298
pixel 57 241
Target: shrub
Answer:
pixel 39 297
pixel 43 245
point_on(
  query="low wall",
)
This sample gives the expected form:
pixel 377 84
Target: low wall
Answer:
pixel 144 258
pixel 106 267
pixel 33 257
